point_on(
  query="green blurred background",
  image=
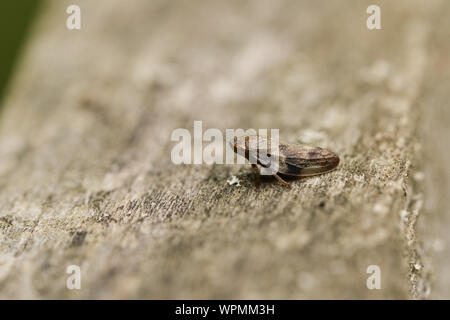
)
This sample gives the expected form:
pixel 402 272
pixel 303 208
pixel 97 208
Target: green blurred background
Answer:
pixel 16 17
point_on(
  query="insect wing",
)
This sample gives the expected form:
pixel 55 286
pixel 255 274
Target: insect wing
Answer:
pixel 303 160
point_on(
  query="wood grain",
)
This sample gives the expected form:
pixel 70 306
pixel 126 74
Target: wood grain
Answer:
pixel 86 176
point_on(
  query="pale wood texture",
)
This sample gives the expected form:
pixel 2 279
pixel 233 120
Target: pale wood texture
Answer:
pixel 86 176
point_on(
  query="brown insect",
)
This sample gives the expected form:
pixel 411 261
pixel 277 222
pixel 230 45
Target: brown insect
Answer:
pixel 294 160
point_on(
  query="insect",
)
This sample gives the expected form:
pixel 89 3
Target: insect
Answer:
pixel 294 160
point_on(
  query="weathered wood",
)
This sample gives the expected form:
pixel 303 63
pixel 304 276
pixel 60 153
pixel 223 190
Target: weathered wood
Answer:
pixel 85 170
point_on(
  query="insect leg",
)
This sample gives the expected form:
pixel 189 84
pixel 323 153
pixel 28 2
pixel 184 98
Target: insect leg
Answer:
pixel 282 181
pixel 257 176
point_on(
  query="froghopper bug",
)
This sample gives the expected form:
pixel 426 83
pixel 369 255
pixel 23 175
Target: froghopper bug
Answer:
pixel 294 160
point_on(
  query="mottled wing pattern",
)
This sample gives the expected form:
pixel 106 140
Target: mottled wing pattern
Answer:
pixel 304 160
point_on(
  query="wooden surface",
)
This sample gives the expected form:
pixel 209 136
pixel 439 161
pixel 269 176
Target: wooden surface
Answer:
pixel 86 176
